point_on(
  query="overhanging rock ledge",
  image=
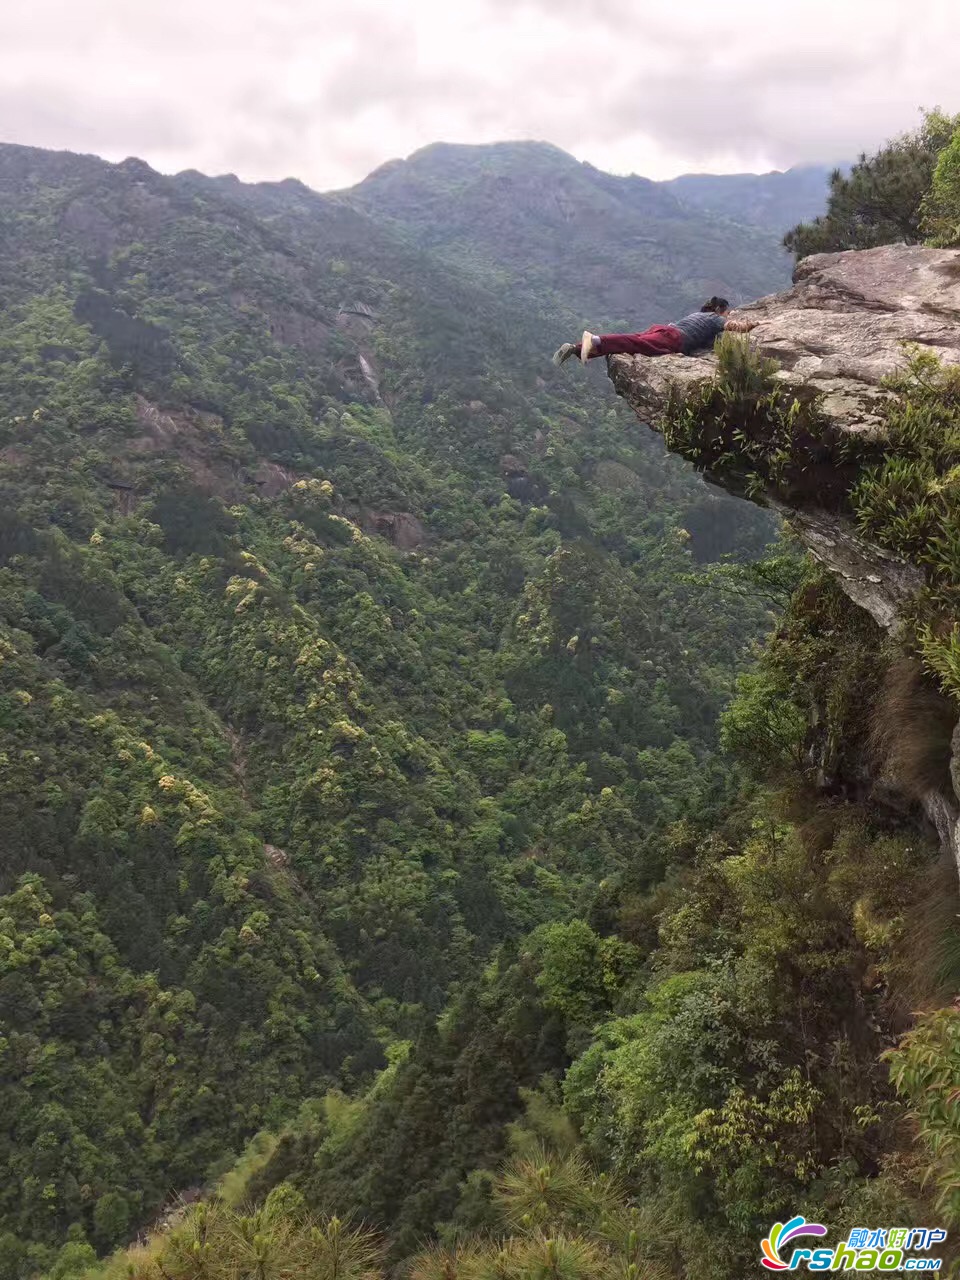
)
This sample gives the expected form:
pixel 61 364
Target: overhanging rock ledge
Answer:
pixel 836 334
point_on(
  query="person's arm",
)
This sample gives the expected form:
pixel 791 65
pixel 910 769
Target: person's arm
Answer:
pixel 739 326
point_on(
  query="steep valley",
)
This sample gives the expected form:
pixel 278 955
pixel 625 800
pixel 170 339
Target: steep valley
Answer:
pixel 341 643
pixel 392 783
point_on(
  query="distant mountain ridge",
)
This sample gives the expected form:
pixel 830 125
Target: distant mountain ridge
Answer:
pixel 616 250
pixel 776 200
pixel 772 199
pixel 551 232
pixel 612 250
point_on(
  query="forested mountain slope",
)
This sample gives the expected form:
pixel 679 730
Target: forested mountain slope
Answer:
pixel 340 641
pixel 540 226
pixel 361 685
pixel 766 1025
pixel 772 201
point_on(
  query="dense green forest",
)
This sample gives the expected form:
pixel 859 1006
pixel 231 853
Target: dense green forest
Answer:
pixel 408 845
pixel 340 646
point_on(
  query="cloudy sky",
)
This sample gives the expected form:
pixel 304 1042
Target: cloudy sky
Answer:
pixel 325 90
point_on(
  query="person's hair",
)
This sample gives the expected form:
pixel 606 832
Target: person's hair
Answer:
pixel 716 304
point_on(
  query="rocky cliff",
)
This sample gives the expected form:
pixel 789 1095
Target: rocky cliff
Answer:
pixel 827 348
pixel 836 335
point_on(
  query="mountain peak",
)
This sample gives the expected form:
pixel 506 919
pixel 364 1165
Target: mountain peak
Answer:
pixel 136 168
pixel 467 160
pixel 529 214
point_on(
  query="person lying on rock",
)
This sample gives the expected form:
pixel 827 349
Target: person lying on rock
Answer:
pixel 693 333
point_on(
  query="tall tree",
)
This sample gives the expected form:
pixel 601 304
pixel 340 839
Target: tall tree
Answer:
pixel 879 201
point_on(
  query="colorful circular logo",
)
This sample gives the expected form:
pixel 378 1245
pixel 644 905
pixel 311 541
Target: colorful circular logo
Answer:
pixel 780 1233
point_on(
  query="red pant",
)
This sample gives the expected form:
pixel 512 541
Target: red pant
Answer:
pixel 658 340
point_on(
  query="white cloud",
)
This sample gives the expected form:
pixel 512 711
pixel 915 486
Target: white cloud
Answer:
pixel 325 91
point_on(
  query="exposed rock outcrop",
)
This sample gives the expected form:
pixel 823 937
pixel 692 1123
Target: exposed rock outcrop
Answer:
pixel 191 437
pixel 518 481
pixel 836 334
pixel 877 581
pixel 271 479
pixel 844 325
pixel 401 528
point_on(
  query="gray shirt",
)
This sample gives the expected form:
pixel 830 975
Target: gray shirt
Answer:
pixel 701 329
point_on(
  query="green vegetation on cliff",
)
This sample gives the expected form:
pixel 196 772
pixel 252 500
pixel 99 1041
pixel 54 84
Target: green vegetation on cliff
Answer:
pixel 899 485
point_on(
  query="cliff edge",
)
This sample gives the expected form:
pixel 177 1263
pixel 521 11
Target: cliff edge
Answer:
pixel 847 323
pixel 842 411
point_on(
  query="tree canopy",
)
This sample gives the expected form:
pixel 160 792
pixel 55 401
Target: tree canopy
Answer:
pixel 883 199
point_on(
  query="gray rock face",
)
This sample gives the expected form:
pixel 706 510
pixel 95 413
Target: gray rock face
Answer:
pixel 836 334
pixel 399 527
pixel 874 579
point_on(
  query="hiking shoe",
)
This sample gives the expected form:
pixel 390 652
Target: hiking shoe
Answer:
pixel 565 352
pixel 586 346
